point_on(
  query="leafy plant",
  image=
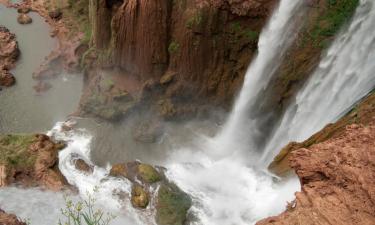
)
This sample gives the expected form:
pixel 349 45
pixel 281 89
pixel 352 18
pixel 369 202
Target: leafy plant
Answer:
pixel 173 47
pixel 84 213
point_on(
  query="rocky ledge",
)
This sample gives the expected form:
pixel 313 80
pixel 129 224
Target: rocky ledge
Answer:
pixel 9 219
pixel 30 160
pixel 337 178
pixel 9 53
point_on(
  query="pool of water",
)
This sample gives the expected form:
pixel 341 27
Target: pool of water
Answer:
pixel 21 109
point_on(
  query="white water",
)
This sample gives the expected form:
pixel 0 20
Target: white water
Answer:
pixel 344 76
pixel 241 131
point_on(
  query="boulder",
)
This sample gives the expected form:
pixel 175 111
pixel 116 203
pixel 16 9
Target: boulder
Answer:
pixel 172 205
pixel 81 165
pixel 24 19
pixel 23 10
pixel 148 173
pixel 6 78
pixel 55 14
pixel 139 197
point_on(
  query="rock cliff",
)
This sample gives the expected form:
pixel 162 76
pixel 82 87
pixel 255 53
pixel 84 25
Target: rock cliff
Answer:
pixel 184 54
pixel 337 178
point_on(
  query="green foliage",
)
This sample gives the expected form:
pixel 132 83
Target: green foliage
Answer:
pixel 196 20
pixel 14 150
pixel 173 47
pixel 337 14
pixel 251 35
pixel 84 213
pixel 240 32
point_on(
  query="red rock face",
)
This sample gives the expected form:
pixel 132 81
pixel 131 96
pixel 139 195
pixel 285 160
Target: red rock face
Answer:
pixel 206 45
pixel 337 177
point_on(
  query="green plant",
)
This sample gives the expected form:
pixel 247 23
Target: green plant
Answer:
pixel 84 213
pixel 173 47
pixel 195 20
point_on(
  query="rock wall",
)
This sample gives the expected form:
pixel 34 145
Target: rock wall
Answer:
pixel 185 54
pixel 337 178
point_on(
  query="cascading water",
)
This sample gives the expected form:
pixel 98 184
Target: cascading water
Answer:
pixel 241 131
pixel 344 76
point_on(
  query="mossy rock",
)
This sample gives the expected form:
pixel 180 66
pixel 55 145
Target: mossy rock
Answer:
pixel 172 205
pixel 14 150
pixel 148 173
pixel 140 197
pixel 119 170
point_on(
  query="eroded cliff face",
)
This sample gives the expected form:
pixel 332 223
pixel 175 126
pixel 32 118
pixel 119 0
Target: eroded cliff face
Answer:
pixel 337 178
pixel 184 54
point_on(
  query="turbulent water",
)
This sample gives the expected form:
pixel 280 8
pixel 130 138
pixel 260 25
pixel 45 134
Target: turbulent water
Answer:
pixel 215 170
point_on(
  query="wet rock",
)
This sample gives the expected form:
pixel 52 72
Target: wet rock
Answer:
pixel 9 53
pixel 9 219
pixel 6 78
pixel 172 205
pixel 42 86
pixel 139 197
pixel 24 19
pixel 119 170
pixel 55 14
pixel 148 173
pixel 81 165
pixel 148 131
pixel 23 10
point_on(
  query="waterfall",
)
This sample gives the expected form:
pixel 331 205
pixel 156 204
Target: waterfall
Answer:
pixel 241 131
pixel 344 76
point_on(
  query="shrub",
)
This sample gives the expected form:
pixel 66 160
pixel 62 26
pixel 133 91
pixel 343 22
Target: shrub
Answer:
pixel 84 213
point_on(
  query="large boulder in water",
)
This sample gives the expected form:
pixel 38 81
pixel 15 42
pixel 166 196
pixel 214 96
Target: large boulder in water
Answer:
pixel 24 19
pixel 150 184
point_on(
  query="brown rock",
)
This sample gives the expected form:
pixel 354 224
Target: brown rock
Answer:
pixel 55 14
pixel 81 165
pixel 24 19
pixel 139 198
pixel 9 219
pixel 337 178
pixel 24 10
pixel 6 78
pixel 119 170
pixel 42 86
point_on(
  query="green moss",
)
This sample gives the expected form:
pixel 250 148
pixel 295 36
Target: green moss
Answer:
pixel 172 205
pixel 148 173
pixel 195 20
pixel 106 84
pixel 251 34
pixel 335 15
pixel 173 47
pixel 14 150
